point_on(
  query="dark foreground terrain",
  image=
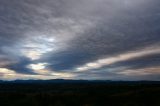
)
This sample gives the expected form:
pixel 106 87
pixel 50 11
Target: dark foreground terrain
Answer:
pixel 80 93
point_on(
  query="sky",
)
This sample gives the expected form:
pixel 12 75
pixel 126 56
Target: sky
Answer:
pixel 80 39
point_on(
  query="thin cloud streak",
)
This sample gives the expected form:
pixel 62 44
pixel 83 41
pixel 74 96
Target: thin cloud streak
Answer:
pixel 121 57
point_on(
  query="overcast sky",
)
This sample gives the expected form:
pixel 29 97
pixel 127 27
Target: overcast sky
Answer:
pixel 80 39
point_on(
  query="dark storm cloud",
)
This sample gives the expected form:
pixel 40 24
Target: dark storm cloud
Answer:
pixel 20 66
pixel 17 18
pixel 128 30
pixel 68 34
pixel 124 32
pixel 68 60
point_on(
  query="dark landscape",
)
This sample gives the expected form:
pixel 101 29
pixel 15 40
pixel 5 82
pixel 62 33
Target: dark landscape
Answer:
pixel 79 93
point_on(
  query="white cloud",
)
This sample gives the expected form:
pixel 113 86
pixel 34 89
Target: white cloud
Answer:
pixel 35 47
pixel 38 66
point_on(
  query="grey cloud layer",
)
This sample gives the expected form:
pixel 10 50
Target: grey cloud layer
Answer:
pixel 68 34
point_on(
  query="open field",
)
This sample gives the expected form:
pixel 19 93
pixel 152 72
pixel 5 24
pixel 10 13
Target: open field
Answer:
pixel 80 94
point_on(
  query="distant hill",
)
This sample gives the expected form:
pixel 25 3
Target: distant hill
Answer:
pixel 80 81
